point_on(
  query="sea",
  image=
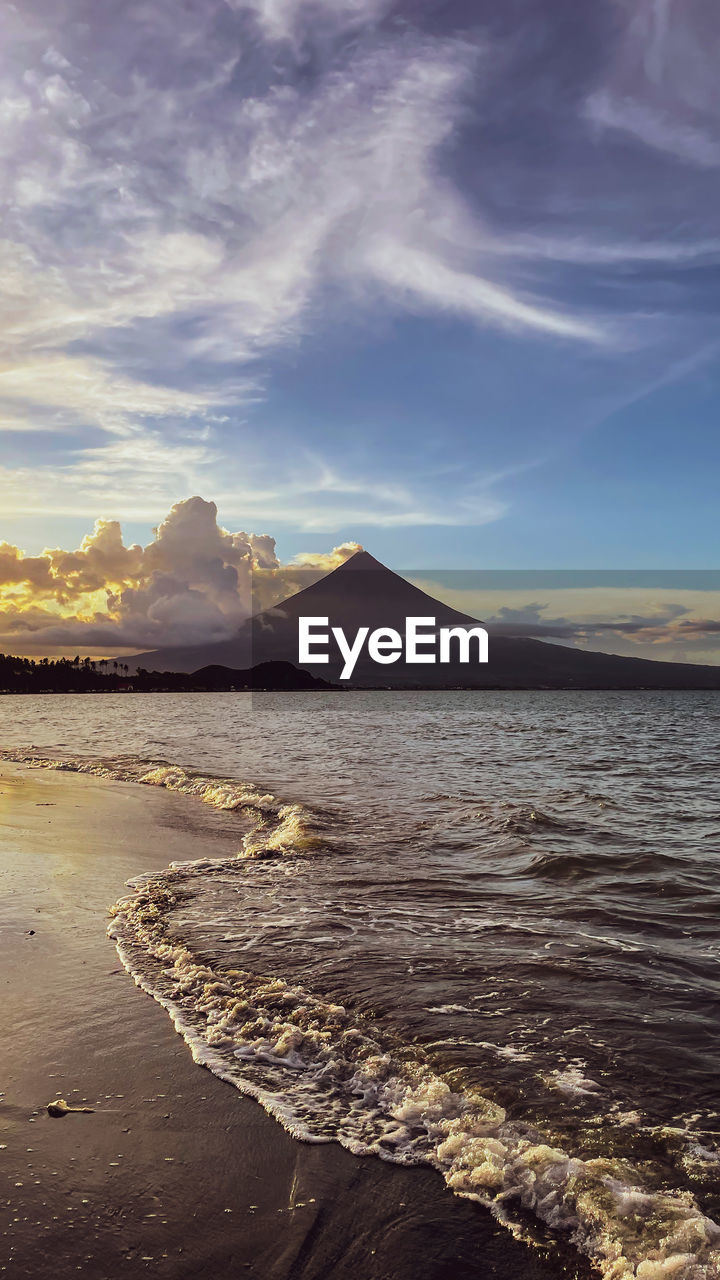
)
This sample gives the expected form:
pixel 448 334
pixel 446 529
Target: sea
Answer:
pixel 478 931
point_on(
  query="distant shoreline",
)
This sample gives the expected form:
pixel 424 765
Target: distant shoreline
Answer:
pixel 381 688
pixel 26 676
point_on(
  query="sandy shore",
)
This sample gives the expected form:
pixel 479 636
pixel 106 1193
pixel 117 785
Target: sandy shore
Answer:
pixel 174 1173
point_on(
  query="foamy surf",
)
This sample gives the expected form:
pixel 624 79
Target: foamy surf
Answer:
pixel 277 830
pixel 327 1073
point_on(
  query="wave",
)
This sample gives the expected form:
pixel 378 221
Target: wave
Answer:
pixel 277 830
pixel 506 822
pixel 521 820
pixel 329 1073
pixel 650 872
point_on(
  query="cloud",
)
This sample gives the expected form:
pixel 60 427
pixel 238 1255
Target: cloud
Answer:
pixel 329 560
pixel 663 88
pixel 183 190
pixel 130 478
pixel 51 391
pixel 423 279
pixel 189 192
pixel 656 127
pixel 281 20
pixel 671 622
pixel 531 620
pixel 699 626
pixel 195 581
pixel 579 250
pixel 664 631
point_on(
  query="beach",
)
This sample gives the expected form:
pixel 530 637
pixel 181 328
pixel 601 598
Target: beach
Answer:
pixel 459 1006
pixel 174 1172
pixel 359 640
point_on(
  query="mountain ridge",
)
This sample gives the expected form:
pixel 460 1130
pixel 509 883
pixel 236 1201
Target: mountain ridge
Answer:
pixel 364 592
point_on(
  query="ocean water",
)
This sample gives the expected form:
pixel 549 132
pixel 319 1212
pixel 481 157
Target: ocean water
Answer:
pixel 475 931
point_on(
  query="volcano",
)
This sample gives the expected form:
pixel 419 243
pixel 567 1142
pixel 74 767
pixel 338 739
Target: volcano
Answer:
pixel 362 592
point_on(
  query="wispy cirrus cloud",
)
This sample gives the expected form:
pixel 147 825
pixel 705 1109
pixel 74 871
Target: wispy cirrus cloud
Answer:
pixel 192 193
pixel 662 90
pixel 131 477
pixel 181 194
pixel 282 20
pixel 656 126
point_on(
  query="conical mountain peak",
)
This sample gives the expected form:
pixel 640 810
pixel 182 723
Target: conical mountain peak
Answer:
pixel 364 593
pixel 360 592
pixel 363 560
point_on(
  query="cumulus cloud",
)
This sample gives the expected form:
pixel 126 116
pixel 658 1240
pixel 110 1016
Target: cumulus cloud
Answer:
pixel 195 581
pixel 329 560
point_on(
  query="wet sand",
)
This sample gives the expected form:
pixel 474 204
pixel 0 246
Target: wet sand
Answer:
pixel 174 1173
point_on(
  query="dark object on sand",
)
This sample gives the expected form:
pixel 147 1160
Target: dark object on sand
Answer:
pixel 60 1108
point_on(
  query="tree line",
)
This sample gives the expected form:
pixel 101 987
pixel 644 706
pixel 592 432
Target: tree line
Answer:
pixel 108 675
pixel 65 675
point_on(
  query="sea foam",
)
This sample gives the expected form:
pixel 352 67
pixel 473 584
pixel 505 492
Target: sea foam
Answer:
pixel 329 1073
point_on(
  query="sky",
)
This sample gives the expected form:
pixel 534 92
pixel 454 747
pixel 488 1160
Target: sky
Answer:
pixel 435 278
